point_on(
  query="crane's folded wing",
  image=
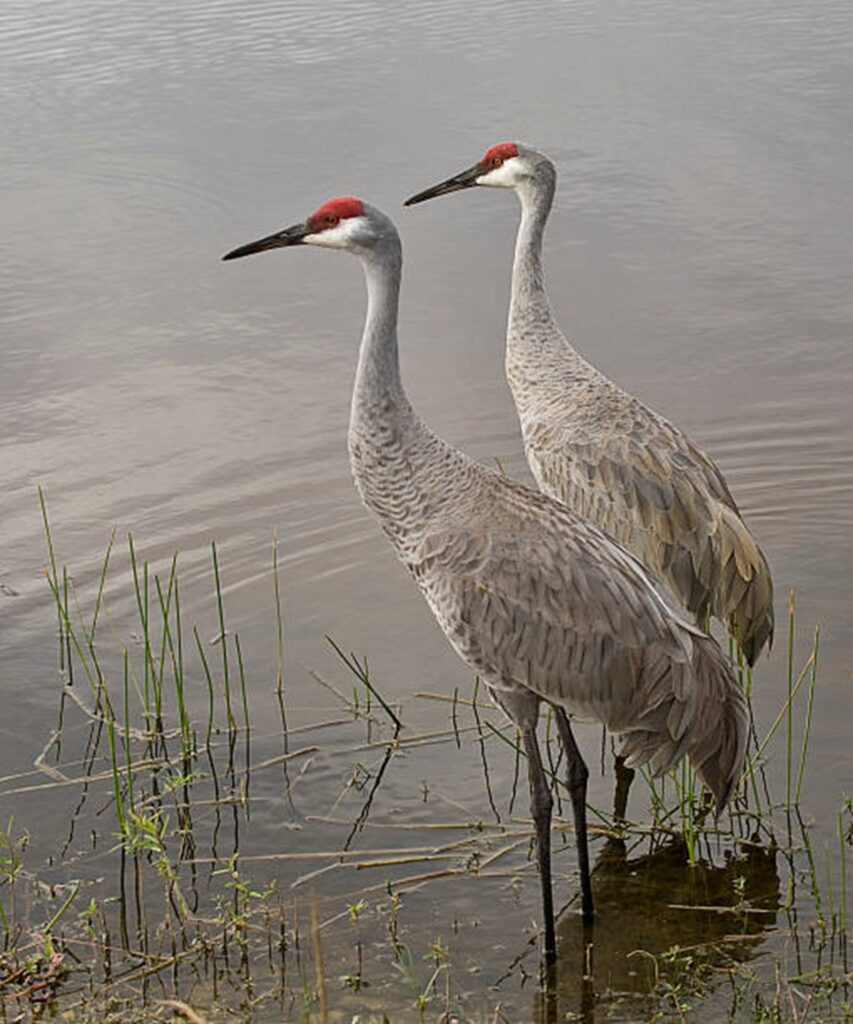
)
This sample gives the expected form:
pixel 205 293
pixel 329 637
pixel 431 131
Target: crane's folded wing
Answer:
pixel 556 606
pixel 647 485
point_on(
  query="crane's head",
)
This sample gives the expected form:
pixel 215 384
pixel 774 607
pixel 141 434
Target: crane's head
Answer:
pixel 506 165
pixel 341 223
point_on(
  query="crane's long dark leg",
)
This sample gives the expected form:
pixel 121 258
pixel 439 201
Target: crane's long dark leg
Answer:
pixel 541 803
pixel 577 773
pixel 624 778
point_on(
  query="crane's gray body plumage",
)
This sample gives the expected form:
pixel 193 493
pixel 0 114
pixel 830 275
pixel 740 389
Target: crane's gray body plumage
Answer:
pixel 537 599
pixel 613 460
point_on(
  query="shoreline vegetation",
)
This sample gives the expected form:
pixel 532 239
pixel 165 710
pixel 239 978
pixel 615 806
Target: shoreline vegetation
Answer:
pixel 156 904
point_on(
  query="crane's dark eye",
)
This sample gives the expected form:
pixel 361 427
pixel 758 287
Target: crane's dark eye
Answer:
pixel 332 220
pixel 497 161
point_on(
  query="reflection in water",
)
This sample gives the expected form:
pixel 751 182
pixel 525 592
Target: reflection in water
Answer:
pixel 648 905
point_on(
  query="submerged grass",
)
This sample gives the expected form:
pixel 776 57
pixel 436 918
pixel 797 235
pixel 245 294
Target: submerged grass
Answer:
pixel 744 920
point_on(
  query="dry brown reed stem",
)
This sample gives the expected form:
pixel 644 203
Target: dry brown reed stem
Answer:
pixel 505 850
pixel 339 855
pixel 421 826
pixel 445 699
pixel 41 764
pixel 392 861
pixel 425 739
pixel 82 781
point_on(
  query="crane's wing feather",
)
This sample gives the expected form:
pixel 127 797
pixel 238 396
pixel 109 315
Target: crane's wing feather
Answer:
pixel 647 485
pixel 538 596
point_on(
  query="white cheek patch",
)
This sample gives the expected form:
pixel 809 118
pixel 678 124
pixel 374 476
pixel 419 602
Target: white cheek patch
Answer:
pixel 505 176
pixel 338 237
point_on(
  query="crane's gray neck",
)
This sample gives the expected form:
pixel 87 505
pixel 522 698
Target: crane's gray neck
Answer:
pixel 536 348
pixel 378 393
pixel 528 281
pixel 397 462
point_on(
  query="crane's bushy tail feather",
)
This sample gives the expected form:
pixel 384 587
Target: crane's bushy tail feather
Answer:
pixel 717 745
pixel 703 715
pixel 745 596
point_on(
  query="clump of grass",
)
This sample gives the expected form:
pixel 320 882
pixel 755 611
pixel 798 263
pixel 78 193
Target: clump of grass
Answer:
pixel 676 802
pixel 12 849
pixel 137 693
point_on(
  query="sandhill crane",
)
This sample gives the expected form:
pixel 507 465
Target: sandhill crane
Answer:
pixel 541 603
pixel 604 453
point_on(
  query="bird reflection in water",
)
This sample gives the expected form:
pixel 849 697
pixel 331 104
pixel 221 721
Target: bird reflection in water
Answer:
pixel 647 905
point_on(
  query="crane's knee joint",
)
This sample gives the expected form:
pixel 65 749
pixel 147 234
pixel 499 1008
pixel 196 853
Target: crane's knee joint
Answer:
pixel 541 804
pixel 578 773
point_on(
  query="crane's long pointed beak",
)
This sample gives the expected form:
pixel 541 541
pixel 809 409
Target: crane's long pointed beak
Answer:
pixel 466 179
pixel 294 235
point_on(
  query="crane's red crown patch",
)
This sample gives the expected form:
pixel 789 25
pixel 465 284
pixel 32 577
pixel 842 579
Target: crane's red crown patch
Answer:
pixel 498 154
pixel 334 211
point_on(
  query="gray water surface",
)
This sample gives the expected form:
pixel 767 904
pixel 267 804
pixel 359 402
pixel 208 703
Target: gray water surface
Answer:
pixel 699 253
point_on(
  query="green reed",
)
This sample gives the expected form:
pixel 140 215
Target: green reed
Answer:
pixel 128 759
pixel 842 859
pixel 173 643
pixel 804 747
pixel 141 592
pixel 279 644
pixel 208 677
pixel 53 576
pixel 116 777
pixel 158 620
pixel 790 704
pixel 102 582
pixel 361 672
pixel 753 796
pixel 223 641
